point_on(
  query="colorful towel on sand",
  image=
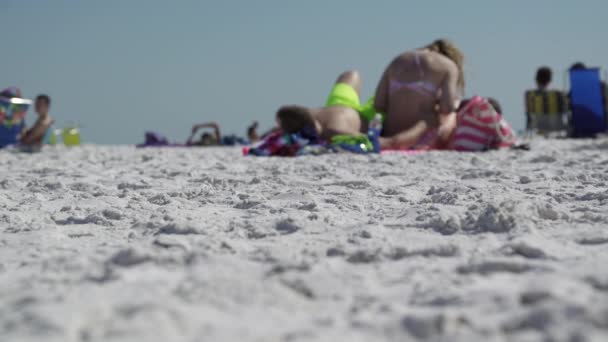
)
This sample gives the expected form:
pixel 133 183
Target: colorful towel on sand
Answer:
pixel 307 142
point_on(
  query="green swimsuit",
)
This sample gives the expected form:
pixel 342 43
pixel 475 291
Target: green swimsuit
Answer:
pixel 344 94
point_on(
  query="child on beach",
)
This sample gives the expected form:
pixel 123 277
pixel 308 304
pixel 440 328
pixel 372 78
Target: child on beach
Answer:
pixel 34 135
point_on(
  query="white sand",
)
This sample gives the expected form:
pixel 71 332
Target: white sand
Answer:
pixel 119 244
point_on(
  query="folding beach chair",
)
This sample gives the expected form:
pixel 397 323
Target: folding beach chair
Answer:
pixel 547 111
pixel 12 119
pixel 587 102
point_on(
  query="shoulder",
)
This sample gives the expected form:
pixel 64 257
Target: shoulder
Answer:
pixel 402 58
pixel 440 63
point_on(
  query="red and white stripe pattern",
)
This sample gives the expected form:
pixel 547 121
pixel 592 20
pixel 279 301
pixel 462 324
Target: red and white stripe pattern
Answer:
pixel 481 128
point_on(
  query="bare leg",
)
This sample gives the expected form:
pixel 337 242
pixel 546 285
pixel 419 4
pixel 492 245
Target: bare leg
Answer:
pixel 352 78
pixel 405 139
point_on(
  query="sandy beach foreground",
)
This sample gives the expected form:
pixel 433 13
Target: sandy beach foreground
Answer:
pixel 120 244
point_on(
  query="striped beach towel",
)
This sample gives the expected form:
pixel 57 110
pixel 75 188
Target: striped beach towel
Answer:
pixel 481 128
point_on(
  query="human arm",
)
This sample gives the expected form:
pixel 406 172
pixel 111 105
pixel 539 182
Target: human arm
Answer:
pixel 36 134
pixel 197 127
pixel 447 126
pixel 450 97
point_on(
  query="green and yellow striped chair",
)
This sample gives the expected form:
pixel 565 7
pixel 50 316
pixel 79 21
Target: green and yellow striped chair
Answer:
pixel 546 111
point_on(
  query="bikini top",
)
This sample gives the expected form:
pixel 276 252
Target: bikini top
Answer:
pixel 421 87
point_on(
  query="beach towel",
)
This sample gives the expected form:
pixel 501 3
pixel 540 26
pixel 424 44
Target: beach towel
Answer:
pixel 481 128
pixel 281 144
pixel 307 142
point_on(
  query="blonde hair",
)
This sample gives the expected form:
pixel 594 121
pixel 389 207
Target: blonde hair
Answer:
pixel 449 50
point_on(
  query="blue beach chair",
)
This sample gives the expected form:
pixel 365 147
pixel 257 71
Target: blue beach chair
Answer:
pixel 587 103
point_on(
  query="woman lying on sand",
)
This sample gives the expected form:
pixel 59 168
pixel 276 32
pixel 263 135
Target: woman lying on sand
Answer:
pixel 420 91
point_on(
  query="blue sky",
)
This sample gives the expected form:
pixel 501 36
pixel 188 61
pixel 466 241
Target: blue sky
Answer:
pixel 120 67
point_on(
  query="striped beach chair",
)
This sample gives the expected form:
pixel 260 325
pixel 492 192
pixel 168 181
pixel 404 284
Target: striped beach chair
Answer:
pixel 546 111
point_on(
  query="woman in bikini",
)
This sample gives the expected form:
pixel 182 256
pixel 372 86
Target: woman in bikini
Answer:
pixel 419 92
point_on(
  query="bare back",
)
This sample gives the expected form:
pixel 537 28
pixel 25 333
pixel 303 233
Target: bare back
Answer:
pixel 415 87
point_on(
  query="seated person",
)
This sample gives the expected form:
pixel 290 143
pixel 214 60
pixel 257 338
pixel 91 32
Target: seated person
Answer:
pixel 419 91
pixel 252 133
pixel 546 109
pixel 207 139
pixel 34 135
pixel 342 113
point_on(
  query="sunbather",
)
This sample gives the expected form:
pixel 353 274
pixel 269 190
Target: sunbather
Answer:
pixel 215 138
pixel 419 92
pixel 342 114
pixel 207 139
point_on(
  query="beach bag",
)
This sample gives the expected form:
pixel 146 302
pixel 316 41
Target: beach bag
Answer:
pixel 480 128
